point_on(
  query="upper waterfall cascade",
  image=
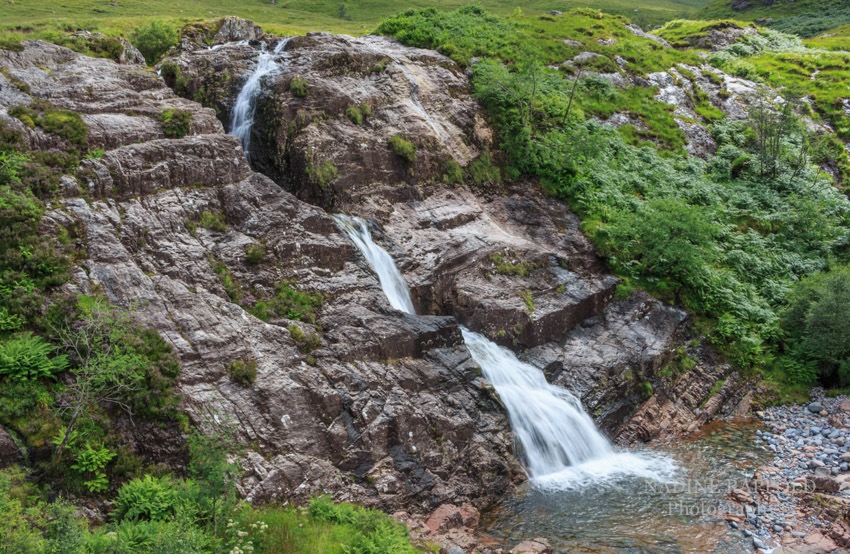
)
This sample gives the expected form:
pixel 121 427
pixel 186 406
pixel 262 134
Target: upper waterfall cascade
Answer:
pixel 560 443
pixel 242 114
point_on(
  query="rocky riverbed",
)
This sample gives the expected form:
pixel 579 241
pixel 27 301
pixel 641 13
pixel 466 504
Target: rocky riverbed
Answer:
pixel 799 501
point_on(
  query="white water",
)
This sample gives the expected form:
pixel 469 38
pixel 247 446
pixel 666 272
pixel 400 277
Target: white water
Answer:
pixel 242 114
pixel 381 262
pixel 562 447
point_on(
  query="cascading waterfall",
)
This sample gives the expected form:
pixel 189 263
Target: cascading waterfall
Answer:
pixel 242 114
pixel 562 447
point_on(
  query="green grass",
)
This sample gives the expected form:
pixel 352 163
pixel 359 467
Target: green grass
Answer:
pixel 290 16
pixel 681 32
pixel 834 39
pixel 806 18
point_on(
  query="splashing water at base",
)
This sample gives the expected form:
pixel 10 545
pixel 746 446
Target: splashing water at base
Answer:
pixel 560 443
pixel 242 114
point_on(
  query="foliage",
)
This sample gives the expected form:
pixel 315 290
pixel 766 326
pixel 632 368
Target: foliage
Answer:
pixel 214 474
pixel 146 498
pixel 175 123
pixel 402 147
pixel 528 300
pixel 289 303
pixel 307 342
pixel 818 326
pixel 358 114
pixel 374 532
pixel 453 172
pixel 299 87
pixel 510 266
pixel 213 221
pixel 322 174
pixel 243 372
pixel 27 357
pixel 153 40
pixel 90 464
pixel 806 18
pixel 483 171
pixel 254 253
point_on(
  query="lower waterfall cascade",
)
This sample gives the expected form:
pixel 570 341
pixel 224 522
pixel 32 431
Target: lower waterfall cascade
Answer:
pixel 559 442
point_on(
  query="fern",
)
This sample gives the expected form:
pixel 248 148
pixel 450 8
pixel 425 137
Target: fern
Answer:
pixel 26 357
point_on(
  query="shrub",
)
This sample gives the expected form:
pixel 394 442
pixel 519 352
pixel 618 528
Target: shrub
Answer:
pixel 213 221
pixel 528 300
pixel 354 114
pixel 153 40
pixel 175 123
pixel 307 342
pixel 818 325
pixel 148 498
pixel 290 303
pixel 322 174
pixel 299 87
pixel 243 372
pixel 403 148
pixel 90 464
pixel 453 173
pixel 254 253
pixel 26 357
pixel 483 172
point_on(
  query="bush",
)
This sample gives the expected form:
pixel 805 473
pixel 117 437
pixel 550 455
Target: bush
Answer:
pixel 26 357
pixel 148 498
pixel 483 172
pixel 254 253
pixel 243 372
pixel 299 87
pixel 213 221
pixel 817 323
pixel 354 114
pixel 175 123
pixel 290 303
pixel 153 40
pixel 90 464
pixel 453 173
pixel 322 174
pixel 403 147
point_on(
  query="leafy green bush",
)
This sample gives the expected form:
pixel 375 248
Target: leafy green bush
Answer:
pixel 354 114
pixel 817 323
pixel 243 372
pixel 175 123
pixel 290 303
pixel 153 40
pixel 453 172
pixel 27 357
pixel 147 498
pixel 307 342
pixel 254 253
pixel 322 174
pixel 374 532
pixel 483 172
pixel 299 87
pixel 90 464
pixel 213 221
pixel 403 147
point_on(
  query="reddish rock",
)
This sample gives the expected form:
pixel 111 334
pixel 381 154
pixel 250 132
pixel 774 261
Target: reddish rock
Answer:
pixel 534 546
pixel 449 516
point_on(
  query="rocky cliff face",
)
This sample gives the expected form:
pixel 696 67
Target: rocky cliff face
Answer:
pixel 365 402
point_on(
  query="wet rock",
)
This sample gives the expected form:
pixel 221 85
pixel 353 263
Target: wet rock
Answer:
pixel 10 454
pixel 449 516
pixel 534 546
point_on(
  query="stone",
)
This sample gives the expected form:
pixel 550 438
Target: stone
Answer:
pixel 534 546
pixel 10 454
pixel 815 407
pixel 449 516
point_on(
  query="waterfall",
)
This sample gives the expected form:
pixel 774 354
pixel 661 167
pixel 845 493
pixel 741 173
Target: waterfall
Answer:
pixel 561 445
pixel 382 263
pixel 242 114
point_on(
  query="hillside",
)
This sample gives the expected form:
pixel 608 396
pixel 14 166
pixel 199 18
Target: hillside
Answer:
pixel 293 16
pixel 261 287
pixel 806 18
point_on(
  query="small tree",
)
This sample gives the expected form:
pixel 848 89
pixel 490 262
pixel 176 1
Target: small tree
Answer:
pixel 214 474
pixel 153 40
pixel 104 369
pixel 772 121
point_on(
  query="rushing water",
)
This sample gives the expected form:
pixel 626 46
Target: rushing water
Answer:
pixel 584 495
pixel 242 114
pixel 561 446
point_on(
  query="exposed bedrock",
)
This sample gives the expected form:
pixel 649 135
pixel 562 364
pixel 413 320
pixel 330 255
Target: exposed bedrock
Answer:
pixel 366 403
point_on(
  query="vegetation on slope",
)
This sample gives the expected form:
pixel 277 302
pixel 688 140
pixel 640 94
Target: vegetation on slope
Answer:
pixel 806 18
pixel 29 18
pixel 727 237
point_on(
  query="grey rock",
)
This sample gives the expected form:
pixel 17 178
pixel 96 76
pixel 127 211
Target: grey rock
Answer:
pixel 815 407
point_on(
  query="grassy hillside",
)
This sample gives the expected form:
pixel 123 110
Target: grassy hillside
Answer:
pixel 806 18
pixel 294 16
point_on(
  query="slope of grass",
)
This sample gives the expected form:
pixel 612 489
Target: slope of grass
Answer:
pixel 806 18
pixel 290 16
pixel 834 39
